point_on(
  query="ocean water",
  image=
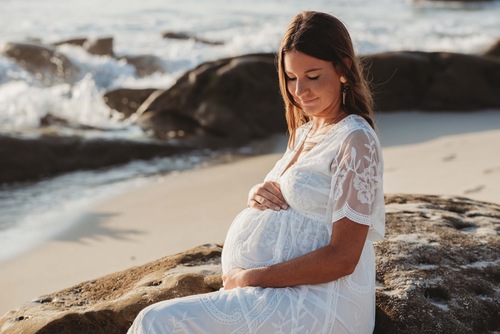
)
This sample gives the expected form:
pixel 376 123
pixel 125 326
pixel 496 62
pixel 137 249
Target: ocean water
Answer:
pixel 30 213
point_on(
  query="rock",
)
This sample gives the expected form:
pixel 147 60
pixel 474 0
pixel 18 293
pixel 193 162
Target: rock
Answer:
pixel 33 159
pixel 100 46
pixel 233 100
pixel 184 36
pixel 179 129
pixel 399 79
pixel 434 81
pixel 145 64
pixel 72 41
pixel 109 304
pixel 438 269
pixel 52 122
pixel 493 51
pixel 44 62
pixel 437 272
pixel 463 82
pixel 126 100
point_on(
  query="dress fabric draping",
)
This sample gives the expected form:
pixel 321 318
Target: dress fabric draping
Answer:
pixel 340 177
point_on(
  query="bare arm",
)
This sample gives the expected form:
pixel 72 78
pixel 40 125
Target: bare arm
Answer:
pixel 339 258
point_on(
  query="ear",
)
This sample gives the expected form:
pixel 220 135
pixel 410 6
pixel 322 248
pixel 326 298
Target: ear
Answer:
pixel 347 62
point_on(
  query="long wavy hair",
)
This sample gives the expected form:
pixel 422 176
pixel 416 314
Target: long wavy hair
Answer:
pixel 324 37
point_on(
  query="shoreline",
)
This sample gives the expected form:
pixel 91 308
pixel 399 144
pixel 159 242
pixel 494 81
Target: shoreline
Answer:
pixel 423 153
pixel 134 228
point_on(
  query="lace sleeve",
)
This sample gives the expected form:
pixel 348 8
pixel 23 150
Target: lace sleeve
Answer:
pixel 357 184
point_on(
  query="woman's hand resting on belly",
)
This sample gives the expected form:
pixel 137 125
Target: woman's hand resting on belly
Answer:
pixel 267 195
pixel 337 259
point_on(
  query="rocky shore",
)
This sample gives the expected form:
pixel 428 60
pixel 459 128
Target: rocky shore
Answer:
pixel 225 103
pixel 437 272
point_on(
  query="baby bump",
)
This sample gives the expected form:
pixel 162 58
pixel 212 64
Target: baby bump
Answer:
pixel 261 238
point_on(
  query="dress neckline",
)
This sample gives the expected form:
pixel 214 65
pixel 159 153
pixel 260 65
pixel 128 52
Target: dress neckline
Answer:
pixel 303 137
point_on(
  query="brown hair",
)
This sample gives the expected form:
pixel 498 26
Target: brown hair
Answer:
pixel 324 37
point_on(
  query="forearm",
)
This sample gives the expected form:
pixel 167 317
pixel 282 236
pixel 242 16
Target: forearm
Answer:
pixel 320 266
pixel 339 258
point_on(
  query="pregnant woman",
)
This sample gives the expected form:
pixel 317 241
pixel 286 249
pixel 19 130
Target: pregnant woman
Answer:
pixel 300 258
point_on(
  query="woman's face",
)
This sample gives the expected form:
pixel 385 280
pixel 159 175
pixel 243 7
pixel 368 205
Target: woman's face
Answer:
pixel 313 83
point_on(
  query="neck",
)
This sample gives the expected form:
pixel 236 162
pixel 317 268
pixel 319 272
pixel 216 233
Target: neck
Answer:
pixel 321 122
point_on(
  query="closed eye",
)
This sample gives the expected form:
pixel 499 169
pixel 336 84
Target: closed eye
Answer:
pixel 290 79
pixel 313 78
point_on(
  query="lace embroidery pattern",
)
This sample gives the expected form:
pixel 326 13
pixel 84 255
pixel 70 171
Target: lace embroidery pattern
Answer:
pixel 235 317
pixel 357 182
pixel 367 182
pixel 341 176
pixel 347 211
pixel 355 287
pixel 178 325
pixel 367 171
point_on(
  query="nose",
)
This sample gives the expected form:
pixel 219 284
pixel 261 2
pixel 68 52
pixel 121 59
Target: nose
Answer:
pixel 300 88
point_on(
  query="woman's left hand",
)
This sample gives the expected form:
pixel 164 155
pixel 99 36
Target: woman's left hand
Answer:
pixel 234 278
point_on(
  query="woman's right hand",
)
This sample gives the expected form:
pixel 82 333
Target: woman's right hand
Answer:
pixel 267 195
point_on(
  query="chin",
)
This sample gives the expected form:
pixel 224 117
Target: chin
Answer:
pixel 310 112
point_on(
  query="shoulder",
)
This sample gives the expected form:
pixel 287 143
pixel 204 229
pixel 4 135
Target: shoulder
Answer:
pixel 357 129
pixel 358 139
pixel 352 129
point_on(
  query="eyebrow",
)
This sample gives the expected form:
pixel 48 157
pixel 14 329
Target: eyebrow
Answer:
pixel 311 70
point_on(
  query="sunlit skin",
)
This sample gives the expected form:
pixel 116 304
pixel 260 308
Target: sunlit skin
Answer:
pixel 315 86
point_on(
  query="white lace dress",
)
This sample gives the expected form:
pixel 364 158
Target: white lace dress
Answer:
pixel 340 177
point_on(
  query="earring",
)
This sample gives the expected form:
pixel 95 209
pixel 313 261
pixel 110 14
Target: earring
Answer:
pixel 343 80
pixel 344 93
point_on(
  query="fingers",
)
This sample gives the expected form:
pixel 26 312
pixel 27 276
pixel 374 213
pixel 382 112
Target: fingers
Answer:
pixel 230 280
pixel 270 196
pixel 275 189
pixel 267 195
pixel 254 204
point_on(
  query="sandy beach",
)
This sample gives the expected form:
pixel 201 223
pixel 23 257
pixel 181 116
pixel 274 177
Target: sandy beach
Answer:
pixel 428 153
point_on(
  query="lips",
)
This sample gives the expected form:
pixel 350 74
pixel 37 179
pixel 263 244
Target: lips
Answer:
pixel 308 101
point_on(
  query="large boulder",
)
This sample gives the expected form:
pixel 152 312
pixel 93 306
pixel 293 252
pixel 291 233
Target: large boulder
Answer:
pixel 228 101
pixel 438 268
pixel 437 272
pixel 33 159
pixel 47 64
pixel 434 81
pixel 399 79
pixel 127 100
pixel 108 305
